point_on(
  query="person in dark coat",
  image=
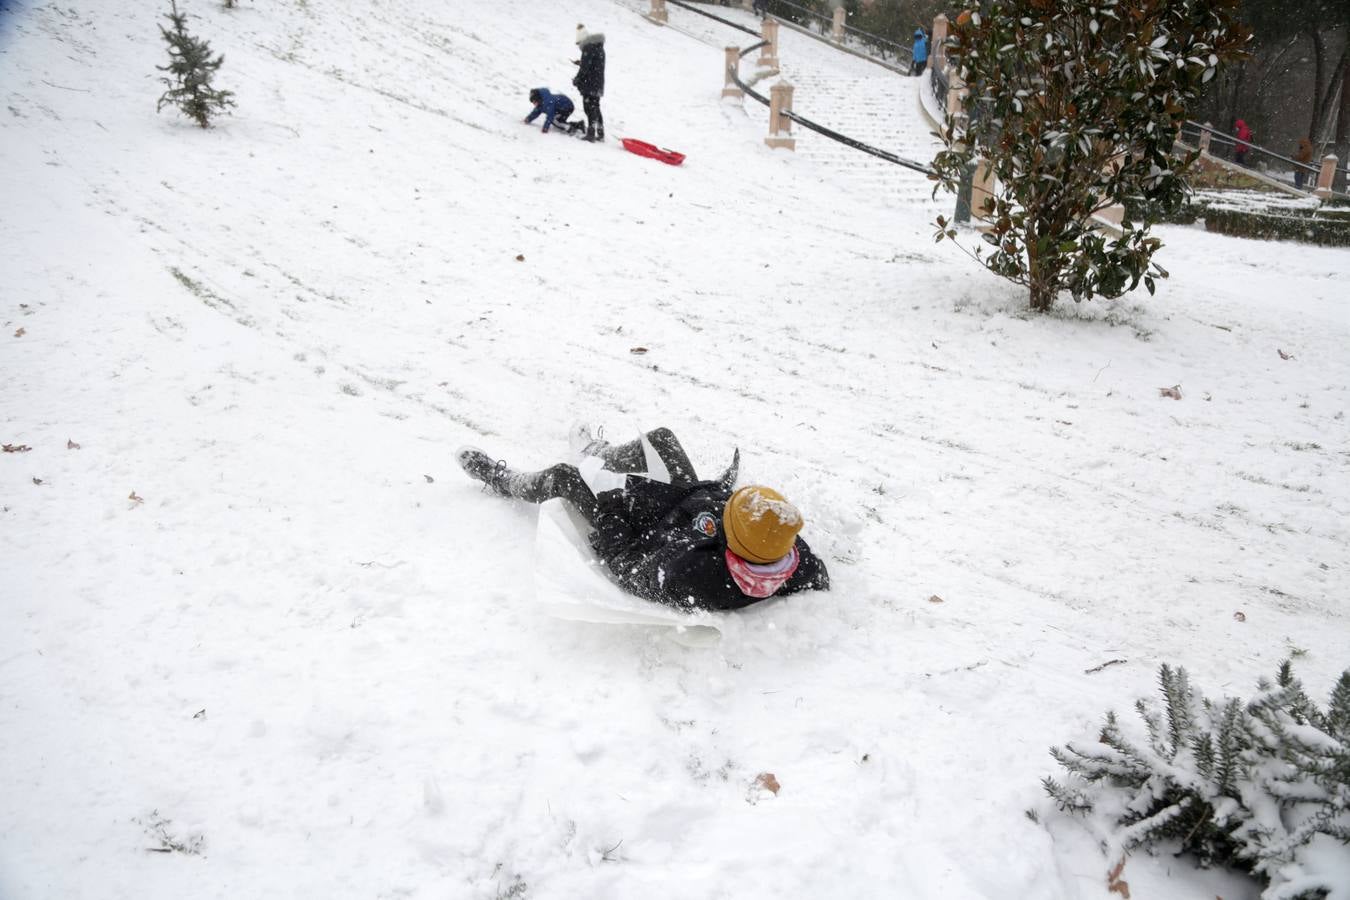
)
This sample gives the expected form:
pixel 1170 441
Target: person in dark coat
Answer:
pixel 684 542
pixel 590 80
pixel 553 107
pixel 1303 155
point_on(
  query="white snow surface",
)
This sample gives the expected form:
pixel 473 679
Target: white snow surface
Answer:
pixel 259 613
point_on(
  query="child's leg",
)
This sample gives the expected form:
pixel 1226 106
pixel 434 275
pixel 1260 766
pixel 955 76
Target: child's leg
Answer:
pixel 631 457
pixel 560 481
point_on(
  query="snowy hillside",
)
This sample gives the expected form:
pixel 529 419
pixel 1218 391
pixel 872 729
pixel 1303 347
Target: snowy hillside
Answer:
pixel 253 615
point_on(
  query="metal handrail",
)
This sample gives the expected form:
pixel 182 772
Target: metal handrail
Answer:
pixel 828 132
pixel 702 12
pixel 1223 138
pixel 864 36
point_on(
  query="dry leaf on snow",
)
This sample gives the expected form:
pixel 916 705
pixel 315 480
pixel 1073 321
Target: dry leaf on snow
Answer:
pixel 15 448
pixel 637 350
pixel 1174 392
pixel 71 445
pixel 1113 882
pixel 1284 355
pixel 1240 616
pixel 935 599
pixel 520 257
pixel 766 781
pixel 134 498
pixel 21 332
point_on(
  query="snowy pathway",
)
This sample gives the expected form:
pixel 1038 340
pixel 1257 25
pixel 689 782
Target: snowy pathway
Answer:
pixel 253 601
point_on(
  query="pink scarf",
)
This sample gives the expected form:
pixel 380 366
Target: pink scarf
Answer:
pixel 761 581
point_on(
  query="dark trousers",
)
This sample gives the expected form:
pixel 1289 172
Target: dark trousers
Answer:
pixel 564 480
pixel 595 122
pixel 919 66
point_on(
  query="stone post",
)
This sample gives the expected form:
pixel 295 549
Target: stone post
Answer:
pixel 1203 143
pixel 780 126
pixel 658 12
pixel 732 68
pixel 839 15
pixel 937 54
pixel 1326 177
pixel 768 57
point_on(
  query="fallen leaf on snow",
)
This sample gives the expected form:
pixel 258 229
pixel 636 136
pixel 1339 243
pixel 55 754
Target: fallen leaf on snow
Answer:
pixel 1113 883
pixel 520 257
pixel 16 448
pixel 1240 616
pixel 20 333
pixel 199 714
pixel 429 479
pixel 134 498
pixel 1174 392
pixel 71 445
pixel 766 781
pixel 637 350
pixel 1284 355
pixel 38 481
pixel 935 599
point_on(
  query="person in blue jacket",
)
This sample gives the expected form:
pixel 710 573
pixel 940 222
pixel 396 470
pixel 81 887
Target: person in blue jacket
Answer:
pixel 554 108
pixel 920 51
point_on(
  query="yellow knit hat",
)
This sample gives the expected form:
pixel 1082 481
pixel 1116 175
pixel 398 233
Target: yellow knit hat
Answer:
pixel 760 524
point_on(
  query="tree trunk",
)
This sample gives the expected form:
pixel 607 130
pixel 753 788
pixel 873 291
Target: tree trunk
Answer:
pixel 1343 117
pixel 1342 140
pixel 1319 51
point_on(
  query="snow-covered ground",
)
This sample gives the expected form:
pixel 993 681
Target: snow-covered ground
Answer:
pixel 250 608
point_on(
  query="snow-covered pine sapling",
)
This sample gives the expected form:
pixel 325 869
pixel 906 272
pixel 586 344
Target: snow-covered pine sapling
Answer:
pixel 191 69
pixel 1075 105
pixel 1252 786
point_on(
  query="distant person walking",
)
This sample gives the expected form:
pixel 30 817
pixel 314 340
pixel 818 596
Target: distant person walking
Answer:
pixel 590 81
pixel 920 52
pixel 1242 147
pixel 761 7
pixel 1304 155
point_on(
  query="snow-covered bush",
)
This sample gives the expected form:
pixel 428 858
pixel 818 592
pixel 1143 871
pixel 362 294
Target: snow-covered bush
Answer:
pixel 1263 787
pixel 191 68
pixel 1076 105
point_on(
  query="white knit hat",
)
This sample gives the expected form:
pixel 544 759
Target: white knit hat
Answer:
pixel 582 33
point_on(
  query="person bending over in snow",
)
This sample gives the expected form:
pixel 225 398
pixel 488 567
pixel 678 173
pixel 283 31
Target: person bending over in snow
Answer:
pixel 554 107
pixel 590 80
pixel 686 543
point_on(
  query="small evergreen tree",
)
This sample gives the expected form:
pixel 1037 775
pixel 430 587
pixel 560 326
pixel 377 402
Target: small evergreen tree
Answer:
pixel 1242 785
pixel 1076 105
pixel 191 68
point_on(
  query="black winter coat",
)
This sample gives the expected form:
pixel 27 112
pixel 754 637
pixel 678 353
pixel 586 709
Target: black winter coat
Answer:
pixel 664 542
pixel 590 80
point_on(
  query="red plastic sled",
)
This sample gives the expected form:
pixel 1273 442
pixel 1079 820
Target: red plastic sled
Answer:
pixel 651 151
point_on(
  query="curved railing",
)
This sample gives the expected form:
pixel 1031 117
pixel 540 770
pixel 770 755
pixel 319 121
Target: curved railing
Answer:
pixel 904 55
pixel 794 117
pixel 1206 137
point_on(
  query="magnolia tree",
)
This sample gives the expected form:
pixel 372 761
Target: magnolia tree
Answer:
pixel 1075 105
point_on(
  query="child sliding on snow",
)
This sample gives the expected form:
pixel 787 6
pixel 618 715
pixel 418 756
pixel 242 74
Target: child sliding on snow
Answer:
pixel 554 107
pixel 686 542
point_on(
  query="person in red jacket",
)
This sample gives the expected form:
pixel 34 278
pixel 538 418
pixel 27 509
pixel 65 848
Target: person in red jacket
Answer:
pixel 1244 135
pixel 684 542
